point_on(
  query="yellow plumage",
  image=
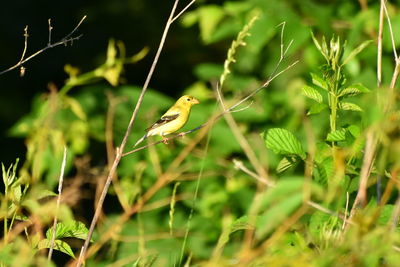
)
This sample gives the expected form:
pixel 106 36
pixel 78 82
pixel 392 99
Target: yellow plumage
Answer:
pixel 172 120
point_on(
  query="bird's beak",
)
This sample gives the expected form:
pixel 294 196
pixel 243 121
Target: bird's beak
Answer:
pixel 195 101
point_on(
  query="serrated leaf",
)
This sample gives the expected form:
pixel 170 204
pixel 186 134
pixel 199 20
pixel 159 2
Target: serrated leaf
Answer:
pixel 58 245
pixel 349 106
pixel 317 108
pixel 356 51
pixel 319 81
pixel 286 163
pixel 336 136
pixel 75 229
pixel 353 90
pixel 311 93
pixel 283 142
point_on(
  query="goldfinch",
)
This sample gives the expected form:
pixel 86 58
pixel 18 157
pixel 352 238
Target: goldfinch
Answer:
pixel 174 119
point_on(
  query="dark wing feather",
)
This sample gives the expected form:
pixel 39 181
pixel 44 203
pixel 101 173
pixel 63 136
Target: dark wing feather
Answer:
pixel 162 121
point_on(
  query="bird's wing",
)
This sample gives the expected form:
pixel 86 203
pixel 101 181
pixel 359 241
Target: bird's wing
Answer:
pixel 163 120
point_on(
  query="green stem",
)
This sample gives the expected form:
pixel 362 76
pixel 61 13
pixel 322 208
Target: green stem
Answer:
pixel 333 103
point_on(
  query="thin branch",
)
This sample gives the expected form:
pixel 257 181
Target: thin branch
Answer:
pixel 120 149
pixel 60 185
pixel 383 3
pixel 380 38
pixel 50 29
pixel 26 35
pixel 183 10
pixel 63 41
pixel 239 165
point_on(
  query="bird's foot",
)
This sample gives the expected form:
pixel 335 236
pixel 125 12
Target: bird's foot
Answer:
pixel 165 140
pixel 181 134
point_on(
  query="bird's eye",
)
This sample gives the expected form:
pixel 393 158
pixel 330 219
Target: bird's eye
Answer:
pixel 188 99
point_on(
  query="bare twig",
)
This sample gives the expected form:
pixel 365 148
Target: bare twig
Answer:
pixel 239 165
pixel 183 10
pixel 60 185
pixel 64 41
pixel 50 29
pixel 26 35
pixel 380 36
pixel 383 5
pixel 120 149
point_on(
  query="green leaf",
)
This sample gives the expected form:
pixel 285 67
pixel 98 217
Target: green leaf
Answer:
pixel 311 93
pixel 207 71
pixel 354 130
pixel 75 107
pixel 209 17
pixel 322 48
pixel 9 176
pixel 58 245
pixel 75 229
pixel 283 142
pixel 241 223
pixel 286 163
pixel 353 90
pixel 319 81
pixel 317 108
pixel 279 202
pixel 336 136
pixel 349 106
pixel 356 51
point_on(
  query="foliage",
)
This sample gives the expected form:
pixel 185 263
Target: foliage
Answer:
pixel 303 152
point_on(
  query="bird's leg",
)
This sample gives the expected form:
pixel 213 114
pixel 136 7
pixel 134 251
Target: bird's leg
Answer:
pixel 164 139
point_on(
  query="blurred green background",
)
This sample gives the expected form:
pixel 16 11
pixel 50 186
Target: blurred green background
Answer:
pixel 192 60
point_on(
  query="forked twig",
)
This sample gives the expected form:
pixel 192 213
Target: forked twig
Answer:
pixel 65 40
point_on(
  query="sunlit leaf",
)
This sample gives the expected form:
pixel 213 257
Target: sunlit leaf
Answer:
pixel 311 93
pixel 317 108
pixel 286 163
pixel 58 245
pixel 279 202
pixel 75 229
pixel 283 142
pixel 209 17
pixel 356 51
pixel 319 81
pixel 349 106
pixel 336 136
pixel 353 90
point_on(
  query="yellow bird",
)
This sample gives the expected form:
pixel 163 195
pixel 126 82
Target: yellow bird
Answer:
pixel 174 119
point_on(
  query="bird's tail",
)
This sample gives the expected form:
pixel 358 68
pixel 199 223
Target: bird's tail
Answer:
pixel 141 140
